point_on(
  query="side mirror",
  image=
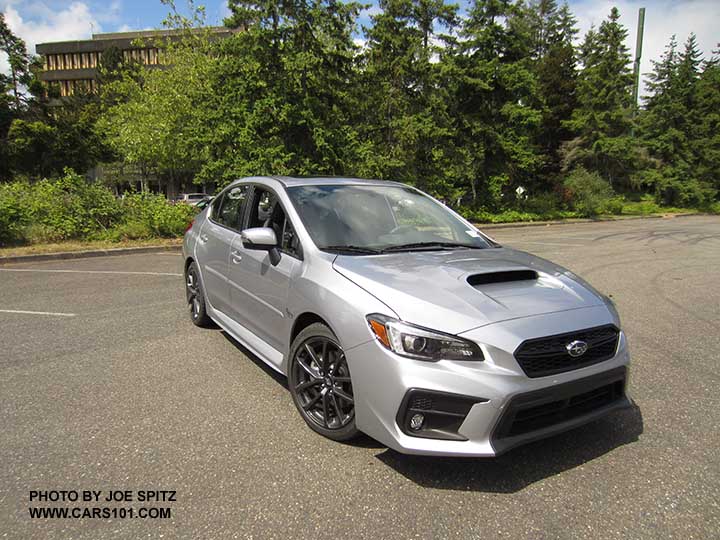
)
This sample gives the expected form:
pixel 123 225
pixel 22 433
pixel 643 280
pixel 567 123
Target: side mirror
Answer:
pixel 263 239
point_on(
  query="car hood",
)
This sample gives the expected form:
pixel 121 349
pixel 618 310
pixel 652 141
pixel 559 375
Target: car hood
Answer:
pixel 456 291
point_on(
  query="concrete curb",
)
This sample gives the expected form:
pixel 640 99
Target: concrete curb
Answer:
pixel 522 224
pixel 88 253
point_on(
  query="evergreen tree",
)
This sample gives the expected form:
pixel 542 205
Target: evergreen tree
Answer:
pixel 553 31
pixel 10 104
pixel 669 127
pixel 20 62
pixel 279 96
pixel 602 120
pixel 498 113
pixel 30 142
pixel 405 125
pixel 706 132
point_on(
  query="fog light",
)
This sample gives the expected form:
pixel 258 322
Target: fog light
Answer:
pixel 416 421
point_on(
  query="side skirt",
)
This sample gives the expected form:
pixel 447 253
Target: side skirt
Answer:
pixel 268 354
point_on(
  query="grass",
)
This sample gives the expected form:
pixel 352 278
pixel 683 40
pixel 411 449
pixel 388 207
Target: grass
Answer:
pixel 79 245
pixel 645 208
pixel 628 209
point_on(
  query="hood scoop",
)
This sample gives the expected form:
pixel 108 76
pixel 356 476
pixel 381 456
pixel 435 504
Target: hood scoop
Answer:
pixel 505 276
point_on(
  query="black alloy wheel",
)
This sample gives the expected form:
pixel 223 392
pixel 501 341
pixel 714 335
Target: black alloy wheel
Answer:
pixel 196 297
pixel 320 383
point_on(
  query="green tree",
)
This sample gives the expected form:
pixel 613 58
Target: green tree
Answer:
pixel 279 97
pixel 602 120
pixel 45 146
pixel 37 141
pixel 553 30
pixel 669 127
pixel 498 109
pixel 30 148
pixel 405 119
pixel 11 96
pixel 20 62
pixel 152 117
pixel 706 132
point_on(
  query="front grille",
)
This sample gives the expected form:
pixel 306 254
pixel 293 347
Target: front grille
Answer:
pixel 540 409
pixel 555 412
pixel 422 403
pixel 548 355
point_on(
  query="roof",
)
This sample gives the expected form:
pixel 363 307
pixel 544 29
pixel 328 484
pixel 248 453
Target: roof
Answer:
pixel 124 40
pixel 289 181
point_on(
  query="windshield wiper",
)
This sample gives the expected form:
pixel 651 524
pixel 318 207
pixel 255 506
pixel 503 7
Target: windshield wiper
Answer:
pixel 352 249
pixel 428 246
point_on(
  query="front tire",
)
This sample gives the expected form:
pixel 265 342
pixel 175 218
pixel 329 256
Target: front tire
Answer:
pixel 320 383
pixel 196 297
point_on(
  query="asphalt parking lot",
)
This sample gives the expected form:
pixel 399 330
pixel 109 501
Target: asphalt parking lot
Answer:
pixel 106 385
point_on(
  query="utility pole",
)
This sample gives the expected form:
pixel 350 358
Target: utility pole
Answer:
pixel 638 55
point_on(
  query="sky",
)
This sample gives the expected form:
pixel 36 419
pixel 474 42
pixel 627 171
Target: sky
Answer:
pixel 39 21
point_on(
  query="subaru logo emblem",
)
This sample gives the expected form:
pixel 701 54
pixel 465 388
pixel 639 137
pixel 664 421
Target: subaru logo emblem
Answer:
pixel 576 348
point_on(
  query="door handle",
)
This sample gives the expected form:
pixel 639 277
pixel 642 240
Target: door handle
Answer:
pixel 203 238
pixel 236 256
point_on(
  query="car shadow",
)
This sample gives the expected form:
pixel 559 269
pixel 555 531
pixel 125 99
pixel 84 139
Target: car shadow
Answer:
pixel 277 377
pixel 508 473
pixel 362 441
pixel 515 470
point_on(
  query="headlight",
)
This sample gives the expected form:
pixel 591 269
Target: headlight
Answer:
pixel 420 343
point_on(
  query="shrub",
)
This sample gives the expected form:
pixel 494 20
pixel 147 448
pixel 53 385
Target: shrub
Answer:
pixel 587 191
pixel 132 230
pixel 157 214
pixel 36 233
pixel 714 208
pixel 13 215
pixel 613 206
pixel 513 216
pixel 542 203
pixel 71 207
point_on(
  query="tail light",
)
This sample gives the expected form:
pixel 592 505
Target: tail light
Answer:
pixel 192 222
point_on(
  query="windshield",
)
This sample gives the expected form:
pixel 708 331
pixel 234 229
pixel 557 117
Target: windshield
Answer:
pixel 379 218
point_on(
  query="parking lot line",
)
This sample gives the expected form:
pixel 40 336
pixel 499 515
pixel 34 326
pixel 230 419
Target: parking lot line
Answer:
pixel 88 272
pixel 23 312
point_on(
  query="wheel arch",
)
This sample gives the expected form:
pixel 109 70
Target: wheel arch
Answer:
pixel 304 320
pixel 188 261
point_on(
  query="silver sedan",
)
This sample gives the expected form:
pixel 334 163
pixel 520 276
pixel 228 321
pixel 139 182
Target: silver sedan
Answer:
pixel 392 315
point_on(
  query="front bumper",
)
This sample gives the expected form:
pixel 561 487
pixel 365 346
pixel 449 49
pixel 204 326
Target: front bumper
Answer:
pixel 504 397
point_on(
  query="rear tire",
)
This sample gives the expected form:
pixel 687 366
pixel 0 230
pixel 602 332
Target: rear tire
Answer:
pixel 320 383
pixel 196 297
